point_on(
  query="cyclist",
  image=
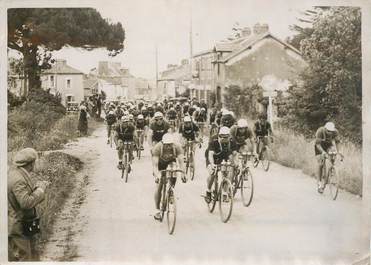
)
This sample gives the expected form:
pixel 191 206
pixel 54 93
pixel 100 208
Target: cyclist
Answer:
pixel 110 120
pixel 224 148
pixel 327 138
pixel 151 111
pixel 119 112
pixel 192 109
pixel 125 132
pixel 158 128
pixel 140 125
pixel 186 109
pixel 243 136
pixel 189 131
pixel 171 116
pixel 227 119
pixel 164 153
pixel 262 128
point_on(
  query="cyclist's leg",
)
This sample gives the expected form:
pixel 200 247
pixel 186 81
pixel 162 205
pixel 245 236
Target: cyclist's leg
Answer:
pixel 158 191
pixel 120 150
pixel 320 163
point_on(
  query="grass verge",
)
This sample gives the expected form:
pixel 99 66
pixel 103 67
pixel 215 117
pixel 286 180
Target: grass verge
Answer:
pixel 293 150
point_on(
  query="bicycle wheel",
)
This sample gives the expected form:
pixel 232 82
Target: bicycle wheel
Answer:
pixel 171 211
pixel 126 167
pixel 333 183
pixel 225 200
pixel 138 153
pixel 247 188
pixel 265 159
pixel 214 196
pixel 191 167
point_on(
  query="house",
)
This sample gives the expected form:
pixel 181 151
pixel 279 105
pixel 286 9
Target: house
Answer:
pixel 261 59
pixel 91 86
pixel 175 80
pixel 254 57
pixel 115 80
pixel 202 75
pixel 16 81
pixel 64 80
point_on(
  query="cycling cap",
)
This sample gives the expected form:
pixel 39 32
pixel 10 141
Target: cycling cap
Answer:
pixel 330 126
pixel 140 116
pixel 144 108
pixel 125 118
pixel 158 114
pixel 203 109
pixel 168 138
pixel 24 157
pixel 187 118
pixel 224 131
pixel 242 123
pixel 131 116
pixel 111 112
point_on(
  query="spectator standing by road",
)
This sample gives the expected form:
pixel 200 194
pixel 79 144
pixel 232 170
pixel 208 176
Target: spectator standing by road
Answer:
pixel 23 196
pixel 83 121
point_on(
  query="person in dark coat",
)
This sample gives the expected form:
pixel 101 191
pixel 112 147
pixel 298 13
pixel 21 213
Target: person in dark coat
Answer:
pixel 83 121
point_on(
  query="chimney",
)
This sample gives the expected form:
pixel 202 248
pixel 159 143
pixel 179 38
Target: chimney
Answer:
pixel 171 66
pixel 102 67
pixel 184 62
pixel 246 31
pixel 261 28
pixel 59 63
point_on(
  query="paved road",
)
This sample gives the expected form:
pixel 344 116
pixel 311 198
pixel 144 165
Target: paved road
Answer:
pixel 288 222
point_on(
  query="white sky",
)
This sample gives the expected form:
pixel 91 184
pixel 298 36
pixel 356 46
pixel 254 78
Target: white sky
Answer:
pixel 167 24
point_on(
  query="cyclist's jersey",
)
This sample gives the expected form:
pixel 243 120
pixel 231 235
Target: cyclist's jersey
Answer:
pixel 145 113
pixel 214 130
pixel 160 109
pixel 178 108
pixel 189 132
pixel 125 132
pixel 201 117
pixel 185 109
pixel 171 114
pixel 159 130
pixel 119 113
pixel 222 151
pixel 262 129
pixel 191 110
pixel 227 120
pixel 140 124
pixel 325 138
pixel 203 105
pixel 239 135
pixel 111 119
pixel 151 111
pixel 212 117
pixel 167 154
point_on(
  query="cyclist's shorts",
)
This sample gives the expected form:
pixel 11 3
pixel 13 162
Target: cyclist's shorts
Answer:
pixel 162 164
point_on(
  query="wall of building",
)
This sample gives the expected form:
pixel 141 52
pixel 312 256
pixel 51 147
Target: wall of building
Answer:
pixel 60 86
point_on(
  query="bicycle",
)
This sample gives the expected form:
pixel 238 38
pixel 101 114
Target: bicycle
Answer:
pixel 244 179
pixel 126 166
pixel 140 139
pixel 263 155
pixel 168 200
pixel 222 193
pixel 189 159
pixel 330 176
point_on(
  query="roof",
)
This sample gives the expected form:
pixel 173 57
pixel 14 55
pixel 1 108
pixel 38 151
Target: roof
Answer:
pixel 62 69
pixel 229 46
pixel 202 53
pixel 246 44
pixel 180 72
pixel 90 82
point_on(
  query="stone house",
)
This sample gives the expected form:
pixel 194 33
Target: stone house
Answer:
pixel 64 80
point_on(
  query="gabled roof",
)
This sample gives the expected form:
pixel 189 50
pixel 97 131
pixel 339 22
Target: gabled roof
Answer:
pixel 62 69
pixel 248 43
pixel 229 46
pixel 203 53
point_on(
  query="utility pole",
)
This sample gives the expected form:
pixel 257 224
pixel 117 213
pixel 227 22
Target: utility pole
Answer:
pixel 156 70
pixel 190 50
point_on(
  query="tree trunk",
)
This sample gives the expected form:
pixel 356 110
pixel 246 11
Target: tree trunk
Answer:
pixel 32 70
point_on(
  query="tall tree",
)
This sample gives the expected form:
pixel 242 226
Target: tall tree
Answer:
pixel 332 83
pixel 36 32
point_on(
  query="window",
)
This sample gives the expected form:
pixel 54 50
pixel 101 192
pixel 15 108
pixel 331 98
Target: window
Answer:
pixel 51 78
pixel 68 83
pixel 69 98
